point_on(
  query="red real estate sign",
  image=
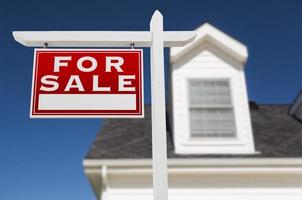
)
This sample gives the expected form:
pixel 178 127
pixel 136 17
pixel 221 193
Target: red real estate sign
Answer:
pixel 87 83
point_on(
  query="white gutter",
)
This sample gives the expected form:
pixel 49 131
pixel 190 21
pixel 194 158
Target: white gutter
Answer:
pixel 202 162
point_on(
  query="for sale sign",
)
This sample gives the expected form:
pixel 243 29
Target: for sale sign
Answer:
pixel 87 83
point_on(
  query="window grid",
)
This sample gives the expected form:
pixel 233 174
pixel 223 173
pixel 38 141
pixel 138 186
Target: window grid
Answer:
pixel 211 109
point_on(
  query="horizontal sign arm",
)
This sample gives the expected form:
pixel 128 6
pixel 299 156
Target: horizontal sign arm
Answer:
pixel 100 38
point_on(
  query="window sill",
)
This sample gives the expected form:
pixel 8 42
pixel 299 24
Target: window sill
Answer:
pixel 215 148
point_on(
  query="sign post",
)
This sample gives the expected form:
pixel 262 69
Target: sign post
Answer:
pixel 157 39
pixel 159 144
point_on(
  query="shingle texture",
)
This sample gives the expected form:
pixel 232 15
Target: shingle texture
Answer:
pixel 276 134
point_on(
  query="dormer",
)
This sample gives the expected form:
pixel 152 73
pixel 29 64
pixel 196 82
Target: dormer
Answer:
pixel 210 111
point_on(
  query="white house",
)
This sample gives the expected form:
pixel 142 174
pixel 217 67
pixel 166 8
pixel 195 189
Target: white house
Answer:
pixel 219 146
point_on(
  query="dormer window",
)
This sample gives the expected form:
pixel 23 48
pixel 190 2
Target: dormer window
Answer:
pixel 210 112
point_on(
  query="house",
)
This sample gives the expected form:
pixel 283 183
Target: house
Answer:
pixel 220 146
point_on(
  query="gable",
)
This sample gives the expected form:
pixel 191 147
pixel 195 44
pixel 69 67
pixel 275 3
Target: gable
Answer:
pixel 210 37
pixel 207 59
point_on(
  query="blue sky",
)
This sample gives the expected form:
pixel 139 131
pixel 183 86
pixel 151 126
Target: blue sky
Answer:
pixel 41 159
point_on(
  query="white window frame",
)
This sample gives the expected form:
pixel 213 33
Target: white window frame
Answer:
pixel 222 141
pixel 216 139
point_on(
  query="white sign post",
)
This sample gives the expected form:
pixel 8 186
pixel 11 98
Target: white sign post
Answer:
pixel 157 39
pixel 159 144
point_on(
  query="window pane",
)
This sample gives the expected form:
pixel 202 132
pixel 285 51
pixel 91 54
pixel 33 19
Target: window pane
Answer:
pixel 209 93
pixel 211 111
pixel 212 122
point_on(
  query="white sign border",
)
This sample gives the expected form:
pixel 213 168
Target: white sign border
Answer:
pixel 31 115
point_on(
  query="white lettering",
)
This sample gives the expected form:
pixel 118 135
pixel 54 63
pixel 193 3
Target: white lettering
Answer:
pixel 123 85
pixel 78 83
pixel 117 65
pixel 96 86
pixel 49 80
pixel 87 58
pixel 58 63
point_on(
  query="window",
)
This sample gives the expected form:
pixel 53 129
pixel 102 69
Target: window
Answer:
pixel 210 109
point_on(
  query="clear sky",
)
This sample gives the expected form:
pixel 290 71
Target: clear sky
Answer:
pixel 41 159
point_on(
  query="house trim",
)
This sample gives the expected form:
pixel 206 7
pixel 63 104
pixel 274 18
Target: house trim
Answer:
pixel 238 162
pixel 98 170
pixel 207 33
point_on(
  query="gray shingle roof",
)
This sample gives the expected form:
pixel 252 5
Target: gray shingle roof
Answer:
pixel 276 134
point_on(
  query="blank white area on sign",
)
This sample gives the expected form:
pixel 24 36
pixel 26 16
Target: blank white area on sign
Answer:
pixel 87 102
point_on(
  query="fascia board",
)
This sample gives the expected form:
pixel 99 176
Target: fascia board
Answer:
pixel 201 166
pixel 213 162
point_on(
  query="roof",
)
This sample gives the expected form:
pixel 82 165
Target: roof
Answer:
pixel 276 134
pixel 208 34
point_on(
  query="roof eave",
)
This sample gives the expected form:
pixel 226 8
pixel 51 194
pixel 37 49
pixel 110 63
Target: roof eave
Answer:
pixel 92 163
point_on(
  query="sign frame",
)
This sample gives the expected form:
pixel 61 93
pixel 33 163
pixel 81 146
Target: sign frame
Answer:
pixel 77 115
